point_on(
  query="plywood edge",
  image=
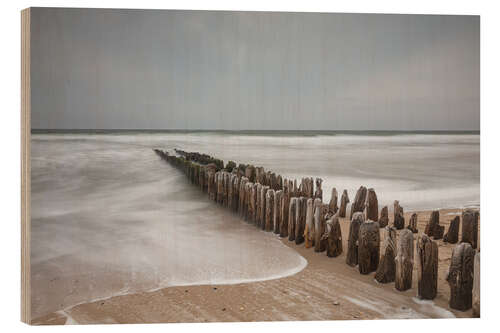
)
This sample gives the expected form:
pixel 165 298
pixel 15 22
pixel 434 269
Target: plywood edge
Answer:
pixel 25 165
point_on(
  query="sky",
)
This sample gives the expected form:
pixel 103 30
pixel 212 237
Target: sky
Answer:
pixel 160 69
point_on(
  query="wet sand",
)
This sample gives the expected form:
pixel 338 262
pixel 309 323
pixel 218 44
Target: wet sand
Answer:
pixel 327 289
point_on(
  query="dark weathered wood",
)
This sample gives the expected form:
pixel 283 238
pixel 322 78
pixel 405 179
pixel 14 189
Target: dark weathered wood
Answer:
pixel 285 204
pixel 277 211
pixel 384 217
pixel 399 219
pixel 320 210
pixel 476 290
pixel 291 218
pixel 300 219
pixel 431 225
pixel 250 173
pixel 269 209
pixel 318 194
pixel 332 206
pixel 413 223
pixel 242 197
pixel 386 270
pixel 352 243
pixel 333 236
pixel 309 229
pixel 427 267
pixel 452 234
pixel 372 205
pixel 470 227
pixel 344 200
pixel 404 261
pixel 359 202
pixel 460 277
pixel 438 232
pixel 368 247
pixel 263 207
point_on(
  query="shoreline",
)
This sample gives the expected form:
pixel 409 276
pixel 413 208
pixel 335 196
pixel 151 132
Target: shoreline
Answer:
pixel 326 289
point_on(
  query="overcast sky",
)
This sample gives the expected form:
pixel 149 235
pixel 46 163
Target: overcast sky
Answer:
pixel 157 69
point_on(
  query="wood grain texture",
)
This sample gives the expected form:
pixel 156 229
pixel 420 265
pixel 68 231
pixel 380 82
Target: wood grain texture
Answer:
pixel 25 164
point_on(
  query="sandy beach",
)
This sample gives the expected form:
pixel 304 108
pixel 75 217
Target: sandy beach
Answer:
pixel 327 289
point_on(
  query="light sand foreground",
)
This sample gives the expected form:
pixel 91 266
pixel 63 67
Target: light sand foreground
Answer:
pixel 327 289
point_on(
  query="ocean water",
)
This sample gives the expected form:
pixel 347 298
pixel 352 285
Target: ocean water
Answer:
pixel 109 217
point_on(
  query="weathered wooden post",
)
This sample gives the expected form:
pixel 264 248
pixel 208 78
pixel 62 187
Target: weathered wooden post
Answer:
pixel 225 188
pixel 412 226
pixel 309 229
pixel 318 194
pixel 358 218
pixel 476 292
pixel 249 212
pixel 250 173
pixel 452 234
pixel 230 191
pixel 386 270
pixel 220 186
pixel 368 247
pixel 242 201
pixel 332 206
pixel 277 211
pixel 333 237
pixel 258 208
pixel 384 217
pixel 372 205
pixel 300 219
pixel 404 261
pixel 359 201
pixel 461 276
pixel 427 267
pixel 236 192
pixel 291 219
pixel 285 204
pixel 253 215
pixel 469 228
pixel 259 175
pixel 399 219
pixel 269 209
pixel 344 200
pixel 320 210
pixel 263 206
pixel 211 184
pixel 431 225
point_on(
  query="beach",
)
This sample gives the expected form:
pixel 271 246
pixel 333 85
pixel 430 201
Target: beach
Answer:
pixel 327 289
pixel 119 236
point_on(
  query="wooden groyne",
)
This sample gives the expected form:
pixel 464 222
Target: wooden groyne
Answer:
pixel 295 210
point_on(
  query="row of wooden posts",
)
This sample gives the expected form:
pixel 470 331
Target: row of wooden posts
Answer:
pixel 277 204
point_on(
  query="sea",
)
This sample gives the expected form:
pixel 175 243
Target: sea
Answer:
pixel 109 217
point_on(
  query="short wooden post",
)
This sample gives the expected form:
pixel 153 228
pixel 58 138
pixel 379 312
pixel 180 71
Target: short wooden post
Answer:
pixel 332 206
pixel 476 292
pixel 386 271
pixel 358 218
pixel 399 219
pixel 344 200
pixel 369 247
pixel 372 205
pixel 277 211
pixel 412 226
pixel 320 210
pixel 359 201
pixel 427 267
pixel 461 277
pixel 309 229
pixel 300 219
pixel 404 261
pixel 470 227
pixel 384 217
pixel 452 234
pixel 291 218
pixel 269 209
pixel 334 237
